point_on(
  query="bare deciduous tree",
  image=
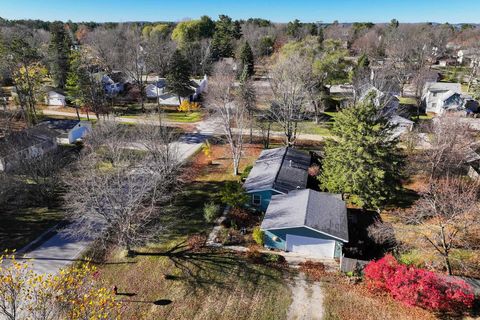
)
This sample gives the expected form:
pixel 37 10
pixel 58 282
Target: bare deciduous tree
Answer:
pixel 121 204
pixel 446 214
pixel 291 97
pixel 223 100
pixel 450 144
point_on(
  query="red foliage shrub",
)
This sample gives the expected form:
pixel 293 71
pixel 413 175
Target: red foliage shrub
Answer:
pixel 241 217
pixel 418 287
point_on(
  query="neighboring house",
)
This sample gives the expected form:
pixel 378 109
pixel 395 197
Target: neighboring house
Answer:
pixel 112 87
pixel 386 100
pixel 170 99
pixel 67 131
pixel 468 57
pixel 25 145
pixel 155 90
pixel 402 125
pixel 473 162
pixel 200 87
pixel 439 97
pixel 341 90
pixel 308 222
pixel 55 98
pixel 276 171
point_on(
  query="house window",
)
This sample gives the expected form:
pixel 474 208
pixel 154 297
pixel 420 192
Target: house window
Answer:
pixel 256 200
pixel 434 94
pixel 434 106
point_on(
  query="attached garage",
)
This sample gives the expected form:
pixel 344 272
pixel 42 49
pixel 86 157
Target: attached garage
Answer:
pixel 311 223
pixel 314 247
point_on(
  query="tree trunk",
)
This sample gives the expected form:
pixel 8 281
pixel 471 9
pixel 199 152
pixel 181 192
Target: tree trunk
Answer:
pixel 251 127
pixel 78 114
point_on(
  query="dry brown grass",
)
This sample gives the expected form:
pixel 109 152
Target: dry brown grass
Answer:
pixel 355 302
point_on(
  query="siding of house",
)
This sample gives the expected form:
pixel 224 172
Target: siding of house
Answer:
pixel 281 234
pixel 78 132
pixel 265 195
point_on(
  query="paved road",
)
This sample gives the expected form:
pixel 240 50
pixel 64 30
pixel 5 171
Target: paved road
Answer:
pixel 210 126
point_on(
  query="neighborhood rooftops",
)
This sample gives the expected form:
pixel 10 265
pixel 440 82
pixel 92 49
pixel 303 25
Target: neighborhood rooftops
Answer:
pixel 281 169
pixel 321 211
pixel 27 138
pixel 60 125
pixel 443 86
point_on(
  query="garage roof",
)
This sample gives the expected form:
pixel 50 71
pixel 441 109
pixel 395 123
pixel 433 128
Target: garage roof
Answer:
pixel 320 211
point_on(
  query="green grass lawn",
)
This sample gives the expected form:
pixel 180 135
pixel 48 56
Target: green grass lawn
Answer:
pixel 20 224
pixel 309 127
pixel 184 116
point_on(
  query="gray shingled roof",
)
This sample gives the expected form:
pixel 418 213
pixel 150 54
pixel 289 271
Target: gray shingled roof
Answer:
pixel 321 211
pixel 283 169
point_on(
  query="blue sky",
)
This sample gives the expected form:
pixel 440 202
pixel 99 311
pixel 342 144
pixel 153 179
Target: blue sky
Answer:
pixel 453 11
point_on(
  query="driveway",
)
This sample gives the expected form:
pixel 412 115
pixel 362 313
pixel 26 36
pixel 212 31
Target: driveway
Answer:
pixel 307 299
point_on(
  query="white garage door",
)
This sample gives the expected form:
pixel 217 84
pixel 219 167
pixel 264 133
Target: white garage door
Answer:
pixel 314 247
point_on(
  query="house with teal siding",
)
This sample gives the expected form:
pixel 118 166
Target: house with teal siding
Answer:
pixel 307 222
pixel 276 172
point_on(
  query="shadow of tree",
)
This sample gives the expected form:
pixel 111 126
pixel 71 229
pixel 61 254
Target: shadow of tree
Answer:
pixel 210 267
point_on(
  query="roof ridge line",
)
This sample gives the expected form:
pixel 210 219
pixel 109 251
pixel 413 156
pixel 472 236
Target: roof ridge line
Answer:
pixel 280 167
pixel 307 205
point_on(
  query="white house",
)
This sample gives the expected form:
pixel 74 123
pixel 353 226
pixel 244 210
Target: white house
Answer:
pixel 67 131
pixel 170 99
pixel 402 125
pixel 155 90
pixel 439 97
pixel 387 100
pixel 55 98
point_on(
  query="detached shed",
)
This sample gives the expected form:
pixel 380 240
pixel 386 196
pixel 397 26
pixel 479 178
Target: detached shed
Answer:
pixel 308 222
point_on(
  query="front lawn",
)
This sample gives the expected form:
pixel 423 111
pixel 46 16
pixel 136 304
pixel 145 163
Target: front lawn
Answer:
pixel 195 284
pixel 184 116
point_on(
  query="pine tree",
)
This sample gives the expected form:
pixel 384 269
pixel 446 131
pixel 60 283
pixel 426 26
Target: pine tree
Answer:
pixel 222 42
pixel 363 158
pixel 59 52
pixel 73 85
pixel 247 60
pixel 178 76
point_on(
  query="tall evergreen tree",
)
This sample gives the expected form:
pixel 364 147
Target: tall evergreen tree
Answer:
pixel 247 60
pixel 75 79
pixel 222 42
pixel 363 158
pixel 178 76
pixel 59 53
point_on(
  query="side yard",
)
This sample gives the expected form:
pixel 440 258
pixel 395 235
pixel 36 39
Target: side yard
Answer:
pixel 192 282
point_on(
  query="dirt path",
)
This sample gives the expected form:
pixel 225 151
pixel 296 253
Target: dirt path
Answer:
pixel 307 298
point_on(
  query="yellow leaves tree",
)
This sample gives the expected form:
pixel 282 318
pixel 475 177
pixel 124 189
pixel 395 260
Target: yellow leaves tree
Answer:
pixel 28 79
pixel 73 293
pixel 188 107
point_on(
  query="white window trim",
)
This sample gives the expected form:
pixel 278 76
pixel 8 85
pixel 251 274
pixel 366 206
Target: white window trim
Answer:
pixel 259 199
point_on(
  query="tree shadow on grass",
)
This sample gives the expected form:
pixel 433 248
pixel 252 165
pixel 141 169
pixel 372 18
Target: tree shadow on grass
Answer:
pixel 210 267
